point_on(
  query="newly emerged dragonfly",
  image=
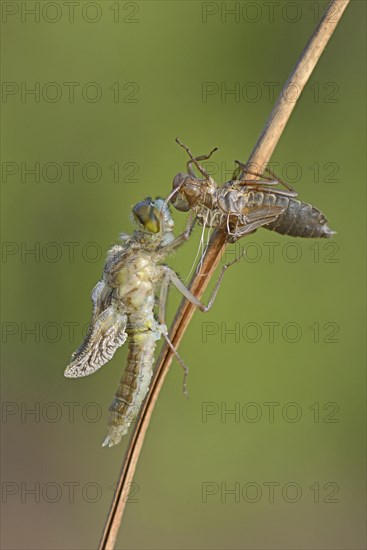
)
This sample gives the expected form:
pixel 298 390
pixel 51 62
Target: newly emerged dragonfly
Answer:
pixel 123 308
pixel 241 205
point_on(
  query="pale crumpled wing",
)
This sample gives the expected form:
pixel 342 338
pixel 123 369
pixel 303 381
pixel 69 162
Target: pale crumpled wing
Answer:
pixel 106 333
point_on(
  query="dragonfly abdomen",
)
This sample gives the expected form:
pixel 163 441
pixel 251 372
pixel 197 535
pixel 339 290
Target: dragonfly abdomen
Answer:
pixel 133 387
pixel 300 219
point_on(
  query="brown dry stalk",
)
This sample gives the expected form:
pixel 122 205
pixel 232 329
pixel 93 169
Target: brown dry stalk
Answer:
pixel 259 157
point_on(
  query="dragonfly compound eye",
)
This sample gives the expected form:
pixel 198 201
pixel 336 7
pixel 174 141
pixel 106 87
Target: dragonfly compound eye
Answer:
pixel 179 179
pixel 147 214
pixel 187 192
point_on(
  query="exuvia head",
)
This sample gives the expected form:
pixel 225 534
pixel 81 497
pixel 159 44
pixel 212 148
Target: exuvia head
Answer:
pixel 188 192
pixel 152 214
pixel 193 192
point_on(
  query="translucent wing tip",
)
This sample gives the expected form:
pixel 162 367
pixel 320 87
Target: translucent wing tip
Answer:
pixel 76 371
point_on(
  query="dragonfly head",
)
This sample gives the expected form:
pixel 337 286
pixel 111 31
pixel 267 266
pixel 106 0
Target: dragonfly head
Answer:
pixel 193 192
pixel 151 214
pixel 188 192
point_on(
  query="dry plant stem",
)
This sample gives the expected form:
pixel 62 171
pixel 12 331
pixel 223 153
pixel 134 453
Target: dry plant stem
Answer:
pixel 260 157
pixel 294 86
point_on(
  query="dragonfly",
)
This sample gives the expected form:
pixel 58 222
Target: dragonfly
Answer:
pixel 124 301
pixel 242 205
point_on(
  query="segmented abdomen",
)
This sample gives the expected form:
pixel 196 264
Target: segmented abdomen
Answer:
pixel 133 387
pixel 299 220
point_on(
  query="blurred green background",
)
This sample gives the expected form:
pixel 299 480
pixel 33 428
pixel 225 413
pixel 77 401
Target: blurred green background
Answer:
pixel 115 83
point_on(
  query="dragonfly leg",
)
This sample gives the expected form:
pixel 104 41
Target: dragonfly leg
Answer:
pixel 236 173
pixel 163 299
pixel 171 277
pixel 263 181
pixel 245 170
pixel 176 281
pixel 253 183
pixel 280 192
pixel 181 361
pixel 202 157
pixel 194 160
pixel 286 185
pixel 179 240
pixel 162 318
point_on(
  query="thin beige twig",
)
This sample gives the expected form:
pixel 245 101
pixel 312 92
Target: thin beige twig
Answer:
pixel 259 157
